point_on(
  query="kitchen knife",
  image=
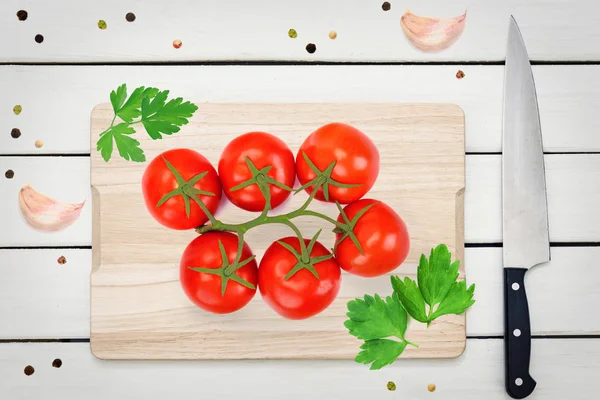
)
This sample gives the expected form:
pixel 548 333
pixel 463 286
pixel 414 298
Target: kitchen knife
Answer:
pixel 526 241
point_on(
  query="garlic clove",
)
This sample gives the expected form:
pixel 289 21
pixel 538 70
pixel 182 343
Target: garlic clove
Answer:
pixel 46 214
pixel 432 34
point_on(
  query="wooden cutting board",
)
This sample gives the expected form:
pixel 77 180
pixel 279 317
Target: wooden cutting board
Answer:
pixel 138 309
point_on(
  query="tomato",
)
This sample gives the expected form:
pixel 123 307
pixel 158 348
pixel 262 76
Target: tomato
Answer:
pixel 158 180
pixel 264 150
pixel 205 289
pixel 356 161
pixel 302 295
pixel 382 234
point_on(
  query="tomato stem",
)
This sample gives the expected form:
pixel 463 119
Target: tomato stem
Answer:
pixel 322 181
pixel 227 270
pixel 323 178
pixel 187 190
pixel 284 219
pixel 305 261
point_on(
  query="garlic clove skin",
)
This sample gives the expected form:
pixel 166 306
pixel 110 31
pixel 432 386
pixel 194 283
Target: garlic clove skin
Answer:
pixel 44 213
pixel 432 34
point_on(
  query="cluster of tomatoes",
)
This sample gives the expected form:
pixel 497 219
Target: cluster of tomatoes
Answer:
pixel 218 271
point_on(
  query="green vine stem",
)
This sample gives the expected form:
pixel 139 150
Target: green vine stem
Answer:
pixel 264 219
pixel 262 180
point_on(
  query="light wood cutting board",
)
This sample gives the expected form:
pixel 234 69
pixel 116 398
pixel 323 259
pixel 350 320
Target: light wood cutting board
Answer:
pixel 138 309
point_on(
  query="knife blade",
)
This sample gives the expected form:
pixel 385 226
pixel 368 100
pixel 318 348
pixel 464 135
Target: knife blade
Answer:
pixel 526 240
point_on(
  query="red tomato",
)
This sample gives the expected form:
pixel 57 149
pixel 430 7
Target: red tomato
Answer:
pixel 302 295
pixel 158 180
pixel 356 161
pixel 383 236
pixel 264 150
pixel 204 289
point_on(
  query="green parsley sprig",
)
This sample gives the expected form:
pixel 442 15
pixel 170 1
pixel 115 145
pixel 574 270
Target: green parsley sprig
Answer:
pixel 383 324
pixel 151 108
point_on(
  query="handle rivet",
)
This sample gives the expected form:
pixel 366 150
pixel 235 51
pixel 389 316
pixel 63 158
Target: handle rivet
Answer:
pixel 518 381
pixel 515 286
pixel 517 332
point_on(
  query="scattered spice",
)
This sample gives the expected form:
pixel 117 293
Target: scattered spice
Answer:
pixel 460 74
pixel 102 24
pixel 15 133
pixel 29 370
pixel 130 17
pixel 39 143
pixel 9 174
pixel 17 109
pixel 292 33
pixel 332 35
pixel 391 386
pixel 311 48
pixel 61 260
pixel 386 6
pixel 57 363
pixel 431 387
pixel 22 15
pixel 39 38
pixel 177 43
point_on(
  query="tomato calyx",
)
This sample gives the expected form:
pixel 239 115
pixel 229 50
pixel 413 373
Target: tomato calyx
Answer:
pixel 227 269
pixel 305 261
pixel 262 180
pixel 323 178
pixel 187 190
pixel 348 229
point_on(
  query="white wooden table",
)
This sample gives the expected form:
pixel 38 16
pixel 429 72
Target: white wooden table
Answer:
pixel 44 306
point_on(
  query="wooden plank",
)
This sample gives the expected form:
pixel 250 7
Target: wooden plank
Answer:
pixel 572 202
pixel 64 312
pixel 147 315
pixel 57 101
pixel 43 298
pixel 63 178
pixel 259 30
pixel 559 367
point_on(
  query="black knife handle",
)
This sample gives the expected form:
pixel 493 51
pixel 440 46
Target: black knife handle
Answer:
pixel 517 335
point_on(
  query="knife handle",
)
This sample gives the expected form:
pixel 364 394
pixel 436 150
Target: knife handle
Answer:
pixel 517 335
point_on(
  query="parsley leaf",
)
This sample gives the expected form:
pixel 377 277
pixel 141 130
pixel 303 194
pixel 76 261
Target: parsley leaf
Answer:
pixel 458 299
pixel 436 275
pixel 378 322
pixel 374 320
pixel 437 286
pixel 380 352
pixel 128 147
pixel 165 119
pixel 117 98
pixel 158 117
pixel 410 297
pixel 131 108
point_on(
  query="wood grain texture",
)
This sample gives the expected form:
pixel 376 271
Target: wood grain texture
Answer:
pixel 257 30
pixel 563 368
pixel 57 100
pixel 138 310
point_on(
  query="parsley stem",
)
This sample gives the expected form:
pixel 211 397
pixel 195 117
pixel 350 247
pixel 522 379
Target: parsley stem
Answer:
pixel 412 344
pixel 429 315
